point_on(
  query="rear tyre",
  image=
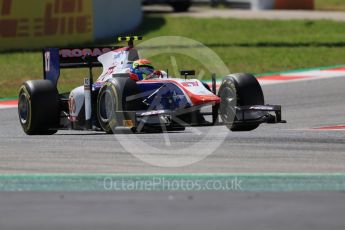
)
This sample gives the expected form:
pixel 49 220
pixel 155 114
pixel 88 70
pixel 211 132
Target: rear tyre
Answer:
pixel 108 102
pixel 38 107
pixel 239 90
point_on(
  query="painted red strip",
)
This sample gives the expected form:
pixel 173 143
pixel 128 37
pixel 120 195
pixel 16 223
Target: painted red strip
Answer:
pixel 336 69
pixel 334 127
pixel 10 102
pixel 280 78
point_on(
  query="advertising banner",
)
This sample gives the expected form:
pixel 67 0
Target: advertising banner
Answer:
pixel 35 24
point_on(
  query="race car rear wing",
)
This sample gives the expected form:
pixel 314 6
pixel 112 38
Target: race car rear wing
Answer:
pixel 55 59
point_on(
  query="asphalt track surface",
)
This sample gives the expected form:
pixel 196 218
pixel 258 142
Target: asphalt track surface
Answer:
pixel 284 148
pixel 178 210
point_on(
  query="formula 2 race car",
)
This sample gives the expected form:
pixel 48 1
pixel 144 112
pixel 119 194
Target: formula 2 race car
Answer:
pixel 115 100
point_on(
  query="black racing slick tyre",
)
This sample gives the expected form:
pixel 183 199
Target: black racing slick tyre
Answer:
pixel 108 102
pixel 38 107
pixel 111 102
pixel 239 89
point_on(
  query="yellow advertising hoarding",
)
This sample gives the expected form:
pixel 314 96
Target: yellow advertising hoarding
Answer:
pixel 41 23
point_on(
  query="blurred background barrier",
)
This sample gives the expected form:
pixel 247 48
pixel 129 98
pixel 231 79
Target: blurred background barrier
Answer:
pixel 294 4
pixel 44 23
pixel 177 5
pixel 252 4
pixel 114 17
pixel 263 4
pixel 28 25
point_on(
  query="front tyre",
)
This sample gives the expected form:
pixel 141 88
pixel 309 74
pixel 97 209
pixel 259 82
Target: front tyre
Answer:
pixel 38 107
pixel 239 89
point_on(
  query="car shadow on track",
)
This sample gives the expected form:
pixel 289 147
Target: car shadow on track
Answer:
pixel 120 131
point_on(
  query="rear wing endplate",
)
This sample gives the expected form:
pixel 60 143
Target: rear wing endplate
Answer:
pixel 55 59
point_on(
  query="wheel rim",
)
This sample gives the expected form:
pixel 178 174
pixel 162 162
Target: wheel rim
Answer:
pixel 107 108
pixel 227 105
pixel 23 108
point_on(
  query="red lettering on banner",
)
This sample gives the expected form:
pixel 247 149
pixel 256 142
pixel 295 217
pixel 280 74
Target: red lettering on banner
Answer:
pixel 82 24
pixel 8 27
pixel 60 17
pixel 57 6
pixel 80 5
pixel 6 7
pixel 50 24
pixel 57 22
pixel 23 27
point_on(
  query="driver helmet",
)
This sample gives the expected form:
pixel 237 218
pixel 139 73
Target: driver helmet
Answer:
pixel 142 68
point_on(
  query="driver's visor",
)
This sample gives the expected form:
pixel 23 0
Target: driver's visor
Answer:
pixel 145 69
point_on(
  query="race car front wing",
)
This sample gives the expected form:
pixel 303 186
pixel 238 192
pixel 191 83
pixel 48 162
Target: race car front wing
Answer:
pixel 256 114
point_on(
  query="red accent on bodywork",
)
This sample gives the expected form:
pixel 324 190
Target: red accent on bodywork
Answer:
pixel 203 99
pixel 196 99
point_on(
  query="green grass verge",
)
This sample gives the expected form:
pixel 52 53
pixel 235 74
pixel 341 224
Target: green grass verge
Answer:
pixel 254 46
